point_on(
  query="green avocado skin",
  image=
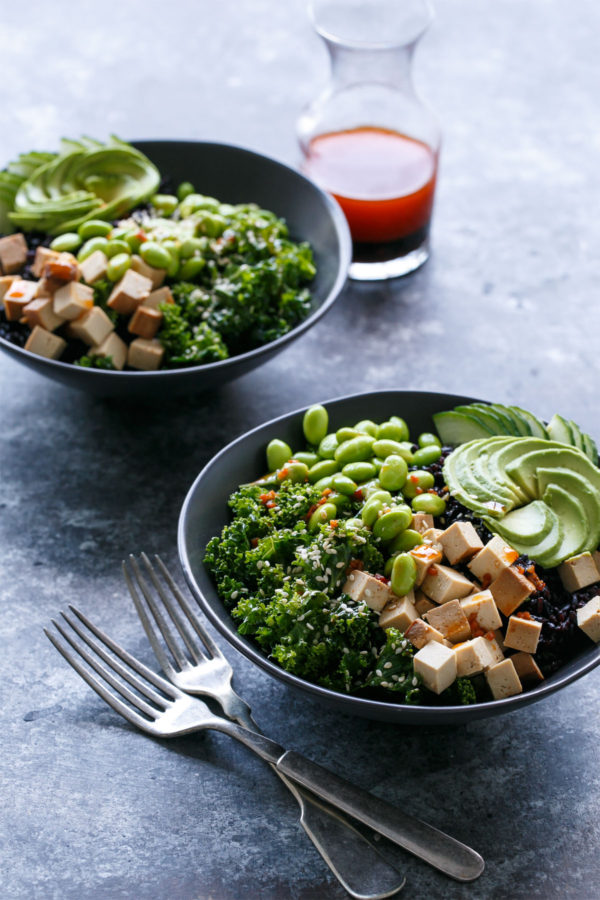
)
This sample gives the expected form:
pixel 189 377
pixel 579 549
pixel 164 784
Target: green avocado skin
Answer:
pixel 541 496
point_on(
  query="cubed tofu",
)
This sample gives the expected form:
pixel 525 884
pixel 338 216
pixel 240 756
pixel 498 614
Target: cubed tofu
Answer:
pixel 420 633
pixel 145 322
pixel 450 620
pixel 588 618
pixel 487 650
pixel 579 572
pixel 421 522
pixel 431 536
pixel 481 611
pixel 522 634
pixel 73 299
pixel 94 267
pixel 93 327
pixel 6 282
pixel 423 603
pixel 460 542
pixel 425 555
pixel 399 613
pixel 13 253
pixel 145 355
pixel 489 562
pixel 510 589
pixel 162 295
pixel 19 294
pixel 436 665
pixel 366 588
pixel 503 680
pixel 442 584
pixel 114 347
pixel 62 269
pixel 527 669
pixel 468 660
pixel 156 276
pixel 43 255
pixel 129 292
pixel 44 343
pixel 40 312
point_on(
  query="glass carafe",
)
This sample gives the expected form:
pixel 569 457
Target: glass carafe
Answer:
pixel 368 139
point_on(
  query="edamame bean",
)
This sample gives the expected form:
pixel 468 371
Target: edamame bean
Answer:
pixel 425 456
pixel 354 524
pixel 339 500
pixel 115 246
pixel 369 487
pixel 191 246
pixel 328 446
pixel 135 240
pixel 278 453
pixel 355 450
pixel 427 438
pixel 323 483
pixel 396 420
pixel 173 250
pixel 315 424
pixel 95 243
pixel 346 434
pixel 429 503
pixel 393 473
pixel 322 469
pixel 211 225
pixel 366 426
pixel 295 472
pixel 66 243
pixel 322 514
pixel 94 228
pixel 384 496
pixel 184 190
pixel 121 232
pixel 194 202
pixel 304 456
pixel 117 266
pixel 343 484
pixel 191 268
pixel 375 461
pixel 359 471
pixel 387 570
pixel 370 511
pixel 406 540
pixel 165 204
pixel 394 431
pixel 404 574
pixel 417 482
pixel 390 524
pixel 155 255
pixel 387 447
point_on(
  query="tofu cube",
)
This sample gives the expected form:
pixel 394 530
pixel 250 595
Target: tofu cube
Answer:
pixel 424 556
pixel 40 312
pixel 19 294
pixel 145 321
pixel 468 660
pixel 145 354
pixel 522 634
pixel 129 292
pixel 13 253
pixel 450 620
pixel 422 603
pixel 93 327
pixel 431 536
pixel 481 611
pixel 487 650
pixel 460 542
pixel 162 295
pixel 94 267
pixel 510 589
pixel 489 562
pixel 44 343
pixel 421 522
pixel 578 572
pixel 442 584
pixel 420 633
pixel 6 282
pixel 588 618
pixel 73 299
pixel 363 587
pixel 503 680
pixel 399 613
pixel 114 347
pixel 43 255
pixel 61 269
pixel 527 669
pixel 436 665
pixel 156 276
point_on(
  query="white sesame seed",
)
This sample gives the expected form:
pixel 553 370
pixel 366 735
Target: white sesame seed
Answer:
pixel 387 665
pixel 379 673
pixel 415 681
pixel 234 595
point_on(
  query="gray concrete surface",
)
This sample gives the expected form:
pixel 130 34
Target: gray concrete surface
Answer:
pixel 506 309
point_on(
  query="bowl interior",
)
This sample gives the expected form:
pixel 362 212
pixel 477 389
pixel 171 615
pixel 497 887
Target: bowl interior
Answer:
pixel 205 512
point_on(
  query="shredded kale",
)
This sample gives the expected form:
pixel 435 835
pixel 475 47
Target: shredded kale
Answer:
pixel 393 668
pixel 187 344
pixel 102 291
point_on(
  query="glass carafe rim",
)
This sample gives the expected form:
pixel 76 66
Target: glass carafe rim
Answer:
pixel 329 35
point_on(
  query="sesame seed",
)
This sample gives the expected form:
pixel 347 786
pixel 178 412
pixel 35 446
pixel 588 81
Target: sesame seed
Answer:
pixel 415 682
pixel 234 595
pixel 387 665
pixel 379 673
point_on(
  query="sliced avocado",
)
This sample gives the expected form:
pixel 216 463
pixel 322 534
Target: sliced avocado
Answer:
pixel 508 462
pixel 554 455
pixel 496 409
pixel 524 526
pixel 497 454
pixel 456 428
pixel 536 426
pixel 577 435
pixel 468 485
pixel 559 430
pixel 583 490
pixel 502 425
pixel 519 426
pixel 591 451
pixel 482 412
pixel 574 521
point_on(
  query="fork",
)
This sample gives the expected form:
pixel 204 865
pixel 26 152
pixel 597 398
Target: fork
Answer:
pixel 199 667
pixel 171 713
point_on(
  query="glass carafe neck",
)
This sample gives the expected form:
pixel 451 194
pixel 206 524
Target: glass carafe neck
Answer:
pixel 352 65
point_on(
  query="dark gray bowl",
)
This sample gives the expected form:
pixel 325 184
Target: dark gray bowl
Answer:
pixel 233 175
pixel 205 512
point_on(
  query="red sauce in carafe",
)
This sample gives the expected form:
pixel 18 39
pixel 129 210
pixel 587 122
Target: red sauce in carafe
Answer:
pixel 383 180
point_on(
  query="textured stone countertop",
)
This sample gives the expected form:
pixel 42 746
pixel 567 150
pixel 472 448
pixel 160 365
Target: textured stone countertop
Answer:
pixel 506 309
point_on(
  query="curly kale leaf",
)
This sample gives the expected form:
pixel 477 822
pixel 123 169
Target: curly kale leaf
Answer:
pixel 188 344
pixel 393 668
pixel 102 291
pixel 95 362
pixel 461 692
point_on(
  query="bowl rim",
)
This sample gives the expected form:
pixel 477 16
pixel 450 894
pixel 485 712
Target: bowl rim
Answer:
pixel 345 254
pixel 411 713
